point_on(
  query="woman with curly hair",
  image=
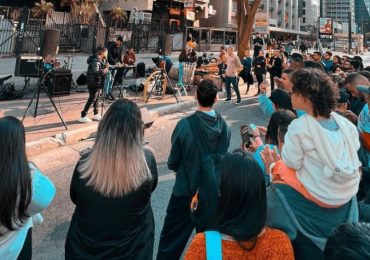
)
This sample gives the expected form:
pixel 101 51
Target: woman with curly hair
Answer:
pixel 321 146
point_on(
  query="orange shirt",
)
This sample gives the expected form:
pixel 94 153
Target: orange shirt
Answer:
pixel 273 244
pixel 283 174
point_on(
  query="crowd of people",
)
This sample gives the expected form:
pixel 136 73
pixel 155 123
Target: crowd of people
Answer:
pixel 296 189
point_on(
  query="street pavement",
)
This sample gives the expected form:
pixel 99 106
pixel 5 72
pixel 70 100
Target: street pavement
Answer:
pixel 49 237
pixel 58 164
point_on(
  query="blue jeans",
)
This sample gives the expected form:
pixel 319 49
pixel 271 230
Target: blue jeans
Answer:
pixel 108 82
pixel 232 81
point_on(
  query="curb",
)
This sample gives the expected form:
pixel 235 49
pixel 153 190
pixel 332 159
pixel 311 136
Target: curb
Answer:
pixel 40 146
pixel 43 145
pixel 173 108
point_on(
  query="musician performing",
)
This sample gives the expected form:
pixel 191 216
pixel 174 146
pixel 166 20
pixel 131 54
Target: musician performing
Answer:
pixel 96 72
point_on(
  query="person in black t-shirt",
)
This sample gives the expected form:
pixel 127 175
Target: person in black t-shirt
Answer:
pixel 115 57
pixel 258 44
pixel 275 68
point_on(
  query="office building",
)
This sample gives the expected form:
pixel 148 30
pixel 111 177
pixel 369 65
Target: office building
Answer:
pixel 310 13
pixel 339 10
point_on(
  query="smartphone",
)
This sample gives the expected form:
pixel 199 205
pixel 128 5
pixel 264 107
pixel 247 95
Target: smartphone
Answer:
pixel 253 127
pixel 245 135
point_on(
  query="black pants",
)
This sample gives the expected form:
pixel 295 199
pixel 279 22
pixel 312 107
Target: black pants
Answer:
pixel 119 75
pixel 93 99
pixel 26 252
pixel 259 78
pixel 177 229
pixel 272 81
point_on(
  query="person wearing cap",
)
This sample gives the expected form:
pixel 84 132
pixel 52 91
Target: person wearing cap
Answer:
pixel 342 107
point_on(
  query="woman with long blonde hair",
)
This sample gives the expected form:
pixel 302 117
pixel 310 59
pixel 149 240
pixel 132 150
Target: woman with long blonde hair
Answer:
pixel 111 188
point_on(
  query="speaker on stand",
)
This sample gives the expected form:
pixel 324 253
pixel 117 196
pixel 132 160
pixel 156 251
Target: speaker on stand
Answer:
pixel 49 46
pixel 49 42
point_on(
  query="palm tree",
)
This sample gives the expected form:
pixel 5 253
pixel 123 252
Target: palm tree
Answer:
pixel 42 8
pixel 118 15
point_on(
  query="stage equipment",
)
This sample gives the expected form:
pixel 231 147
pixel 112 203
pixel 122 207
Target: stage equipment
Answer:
pixel 59 82
pixel 50 42
pixel 27 66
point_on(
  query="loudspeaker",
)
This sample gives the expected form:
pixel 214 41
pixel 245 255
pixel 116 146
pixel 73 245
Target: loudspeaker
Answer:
pixel 146 117
pixel 59 82
pixel 28 66
pixel 81 80
pixel 50 42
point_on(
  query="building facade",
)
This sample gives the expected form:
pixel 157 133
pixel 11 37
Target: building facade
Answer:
pixel 339 10
pixel 310 13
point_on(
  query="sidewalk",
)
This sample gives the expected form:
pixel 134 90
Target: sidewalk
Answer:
pixel 46 131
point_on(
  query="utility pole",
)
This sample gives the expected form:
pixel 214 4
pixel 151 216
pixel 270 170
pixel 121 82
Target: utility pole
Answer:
pixel 349 32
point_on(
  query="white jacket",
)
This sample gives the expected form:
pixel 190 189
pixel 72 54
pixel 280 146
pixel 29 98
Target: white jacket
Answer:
pixel 326 161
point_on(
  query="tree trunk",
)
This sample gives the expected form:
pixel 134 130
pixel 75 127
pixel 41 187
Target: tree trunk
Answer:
pixel 245 23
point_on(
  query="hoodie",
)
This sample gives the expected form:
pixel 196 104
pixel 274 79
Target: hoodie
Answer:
pixel 184 158
pixel 326 161
pixel 94 76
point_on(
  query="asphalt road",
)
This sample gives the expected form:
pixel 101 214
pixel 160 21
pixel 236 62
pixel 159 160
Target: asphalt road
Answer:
pixel 49 237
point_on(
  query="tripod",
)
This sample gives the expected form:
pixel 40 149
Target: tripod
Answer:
pixel 159 81
pixel 36 94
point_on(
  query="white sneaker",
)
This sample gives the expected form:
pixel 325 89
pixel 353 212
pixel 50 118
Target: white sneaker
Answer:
pixel 96 117
pixel 84 120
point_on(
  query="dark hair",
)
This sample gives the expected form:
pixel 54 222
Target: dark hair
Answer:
pixel 100 49
pixel 283 129
pixel 349 241
pixel 297 56
pixel 335 66
pixel 329 53
pixel 317 52
pixel 119 38
pixel 297 61
pixel 15 184
pixel 206 93
pixel 242 206
pixel 355 64
pixel 277 118
pixel 343 97
pixel 318 88
pixel 281 99
pixel 339 59
pixel 367 68
pixel 357 58
pixel 288 71
pixel 353 77
pixel 309 64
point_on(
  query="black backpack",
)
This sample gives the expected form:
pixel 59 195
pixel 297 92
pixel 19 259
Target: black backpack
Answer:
pixel 7 91
pixel 204 202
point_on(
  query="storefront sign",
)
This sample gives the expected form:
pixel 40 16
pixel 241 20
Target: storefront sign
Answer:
pixel 175 11
pixel 261 24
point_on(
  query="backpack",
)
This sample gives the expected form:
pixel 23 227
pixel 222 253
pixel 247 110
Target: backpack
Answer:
pixel 203 205
pixel 7 91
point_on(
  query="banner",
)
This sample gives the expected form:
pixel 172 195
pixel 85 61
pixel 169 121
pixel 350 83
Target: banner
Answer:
pixel 261 23
pixel 326 28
